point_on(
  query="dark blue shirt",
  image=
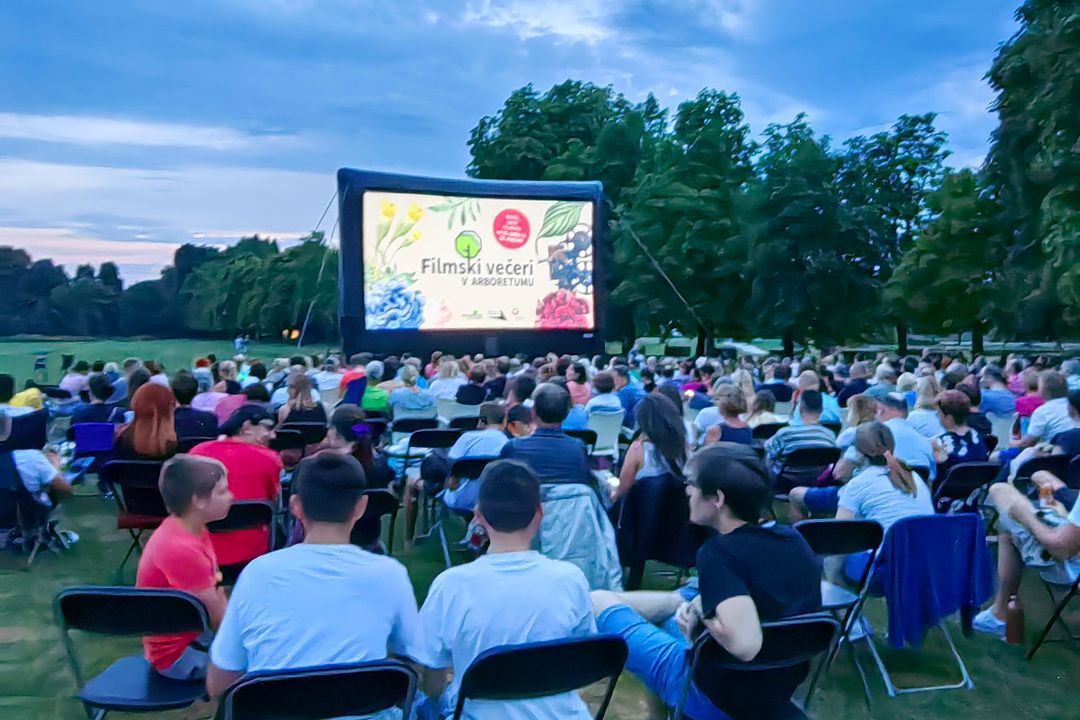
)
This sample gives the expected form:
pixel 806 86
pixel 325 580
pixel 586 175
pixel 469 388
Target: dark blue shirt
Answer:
pixel 554 456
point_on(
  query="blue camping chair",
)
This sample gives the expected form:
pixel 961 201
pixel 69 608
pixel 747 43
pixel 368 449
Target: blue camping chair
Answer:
pixel 542 669
pixel 130 684
pixel 322 692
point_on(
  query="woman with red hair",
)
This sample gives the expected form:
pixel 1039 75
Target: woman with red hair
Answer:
pixel 151 435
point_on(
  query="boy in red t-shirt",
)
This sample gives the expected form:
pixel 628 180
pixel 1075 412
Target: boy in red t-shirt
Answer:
pixel 179 556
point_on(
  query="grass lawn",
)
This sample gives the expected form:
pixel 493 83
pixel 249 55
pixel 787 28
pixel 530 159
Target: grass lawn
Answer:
pixel 35 682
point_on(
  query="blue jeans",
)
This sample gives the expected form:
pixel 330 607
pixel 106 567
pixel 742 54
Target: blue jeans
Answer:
pixel 659 656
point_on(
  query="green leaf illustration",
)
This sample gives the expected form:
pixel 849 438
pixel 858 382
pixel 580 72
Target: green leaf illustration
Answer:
pixel 560 218
pixel 467 245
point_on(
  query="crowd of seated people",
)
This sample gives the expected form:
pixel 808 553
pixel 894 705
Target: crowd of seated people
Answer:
pixel 296 606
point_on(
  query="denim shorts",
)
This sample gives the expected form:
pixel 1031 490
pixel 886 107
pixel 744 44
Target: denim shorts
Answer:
pixel 659 656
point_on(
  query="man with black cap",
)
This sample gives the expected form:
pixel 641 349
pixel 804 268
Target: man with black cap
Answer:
pixel 323 601
pixel 511 595
pixel 254 474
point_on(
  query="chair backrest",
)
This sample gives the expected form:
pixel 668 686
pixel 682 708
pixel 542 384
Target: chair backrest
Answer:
pixel 312 432
pixel 764 431
pixel 464 422
pixel 586 436
pixel 245 515
pixel 136 485
pixel 1058 465
pixel 186 444
pixel 433 439
pixel 470 467
pixel 841 537
pixel 607 427
pixel 762 688
pixel 542 669
pixel 322 692
pixel 28 432
pixel 93 437
pixel 450 409
pixel 963 479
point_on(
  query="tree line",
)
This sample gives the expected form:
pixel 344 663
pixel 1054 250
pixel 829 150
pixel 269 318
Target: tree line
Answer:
pixel 788 235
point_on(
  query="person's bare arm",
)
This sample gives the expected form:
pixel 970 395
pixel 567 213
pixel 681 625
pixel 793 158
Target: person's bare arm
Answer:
pixel 219 680
pixel 736 627
pixel 635 458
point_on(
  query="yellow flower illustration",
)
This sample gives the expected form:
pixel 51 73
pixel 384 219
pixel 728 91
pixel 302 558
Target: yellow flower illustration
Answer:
pixel 415 213
pixel 388 210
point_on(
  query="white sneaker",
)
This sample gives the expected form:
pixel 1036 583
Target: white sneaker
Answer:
pixel 986 622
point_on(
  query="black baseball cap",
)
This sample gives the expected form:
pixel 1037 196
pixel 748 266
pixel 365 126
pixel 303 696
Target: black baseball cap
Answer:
pixel 254 414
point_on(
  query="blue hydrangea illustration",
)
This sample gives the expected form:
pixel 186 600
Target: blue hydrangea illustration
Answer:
pixel 392 305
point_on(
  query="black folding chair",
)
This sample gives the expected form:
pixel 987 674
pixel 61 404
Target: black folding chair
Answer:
pixel 586 436
pixel 130 684
pixel 762 688
pixel 1059 610
pixel 368 528
pixel 803 466
pixel 358 689
pixel 842 537
pixel 245 515
pixel 464 423
pixel 964 486
pixel 542 669
pixel 139 505
pixel 764 431
pixel 185 445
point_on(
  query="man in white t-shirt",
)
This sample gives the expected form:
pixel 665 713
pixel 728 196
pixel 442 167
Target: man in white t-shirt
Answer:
pixel 323 601
pixel 509 596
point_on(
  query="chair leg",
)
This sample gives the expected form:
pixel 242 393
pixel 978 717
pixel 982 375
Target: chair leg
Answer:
pixel 1055 618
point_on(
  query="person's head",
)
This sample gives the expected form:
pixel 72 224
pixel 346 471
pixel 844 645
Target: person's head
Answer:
pixel 152 431
pixel 861 409
pixel 195 487
pixel 551 404
pixel 138 377
pixel 256 392
pixel 891 405
pixel 953 408
pixel 101 388
pixel 603 382
pixel 251 424
pixel 728 485
pixel 764 402
pixel 521 388
pixel 328 489
pixel 730 401
pixel 875 442
pixel 926 392
pixel 374 371
pixel 1052 385
pixel 906 382
pixel 227 370
pixel 409 375
pixel 519 421
pixel 299 390
pixel 477 375
pixel 130 365
pixel 809 380
pixel 661 423
pixel 810 406
pixel 509 501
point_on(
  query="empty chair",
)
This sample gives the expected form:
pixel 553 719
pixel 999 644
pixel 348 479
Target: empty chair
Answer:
pixel 357 689
pixel 542 669
pixel 761 689
pixel 130 684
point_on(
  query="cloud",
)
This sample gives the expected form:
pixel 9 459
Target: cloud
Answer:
pixel 86 130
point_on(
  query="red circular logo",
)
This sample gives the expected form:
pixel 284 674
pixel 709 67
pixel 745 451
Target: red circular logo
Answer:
pixel 511 229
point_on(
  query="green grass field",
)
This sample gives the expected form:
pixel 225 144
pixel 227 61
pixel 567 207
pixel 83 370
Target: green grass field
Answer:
pixel 35 683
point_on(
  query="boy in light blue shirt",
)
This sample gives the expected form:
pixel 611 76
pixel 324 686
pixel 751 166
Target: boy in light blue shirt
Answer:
pixel 511 595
